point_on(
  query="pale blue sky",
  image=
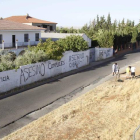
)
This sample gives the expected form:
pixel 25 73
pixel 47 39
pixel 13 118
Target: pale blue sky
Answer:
pixel 71 12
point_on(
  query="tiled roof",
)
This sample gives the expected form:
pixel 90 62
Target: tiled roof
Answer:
pixel 10 25
pixel 27 19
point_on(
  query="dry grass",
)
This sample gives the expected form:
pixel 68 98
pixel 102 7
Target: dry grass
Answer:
pixel 109 112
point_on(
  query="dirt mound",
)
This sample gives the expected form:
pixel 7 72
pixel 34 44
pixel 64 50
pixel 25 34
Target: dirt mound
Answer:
pixel 109 112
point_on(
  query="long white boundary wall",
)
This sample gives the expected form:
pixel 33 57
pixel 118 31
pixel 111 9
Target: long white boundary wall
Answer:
pixel 34 72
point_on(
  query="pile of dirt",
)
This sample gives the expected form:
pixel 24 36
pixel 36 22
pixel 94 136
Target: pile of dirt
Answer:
pixel 109 112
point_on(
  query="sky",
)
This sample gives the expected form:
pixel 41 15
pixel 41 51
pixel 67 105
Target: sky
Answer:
pixel 68 13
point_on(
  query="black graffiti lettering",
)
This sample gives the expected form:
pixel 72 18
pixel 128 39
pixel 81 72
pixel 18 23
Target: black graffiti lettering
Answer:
pixel 42 68
pixel 33 68
pixel 76 60
pixel 22 75
pixel 26 70
pixel 37 69
pixel 4 78
pixel 8 77
pixel 32 71
pixel 56 64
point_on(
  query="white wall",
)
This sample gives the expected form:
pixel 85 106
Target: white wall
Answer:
pixel 9 80
pixel 38 71
pixel 103 53
pixel 7 37
pixel 87 39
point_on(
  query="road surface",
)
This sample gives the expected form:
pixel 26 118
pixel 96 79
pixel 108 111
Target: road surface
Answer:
pixel 17 106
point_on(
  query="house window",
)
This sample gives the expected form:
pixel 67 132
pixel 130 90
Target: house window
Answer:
pixel 44 26
pixel 37 37
pixel 26 37
pixel 0 39
pixel 51 28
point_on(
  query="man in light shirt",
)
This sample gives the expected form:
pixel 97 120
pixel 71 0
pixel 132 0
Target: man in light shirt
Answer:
pixel 117 68
pixel 133 72
pixel 113 69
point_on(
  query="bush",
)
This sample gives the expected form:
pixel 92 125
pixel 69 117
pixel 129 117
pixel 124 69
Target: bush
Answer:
pixel 30 57
pixel 6 62
pixel 55 50
pixel 50 48
pixel 73 43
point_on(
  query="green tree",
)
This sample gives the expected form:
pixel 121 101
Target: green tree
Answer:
pixel 134 35
pixel 73 43
pixel 105 38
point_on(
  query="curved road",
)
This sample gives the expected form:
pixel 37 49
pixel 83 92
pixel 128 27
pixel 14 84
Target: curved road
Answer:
pixel 16 106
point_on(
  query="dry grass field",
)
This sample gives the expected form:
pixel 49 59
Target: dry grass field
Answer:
pixel 111 111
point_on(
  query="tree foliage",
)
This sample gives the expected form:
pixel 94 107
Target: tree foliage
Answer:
pixel 73 43
pixel 55 49
pixel 105 38
pixel 123 32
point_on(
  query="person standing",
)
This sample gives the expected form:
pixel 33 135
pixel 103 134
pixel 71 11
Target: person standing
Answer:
pixel 117 71
pixel 116 68
pixel 128 71
pixel 133 72
pixel 113 69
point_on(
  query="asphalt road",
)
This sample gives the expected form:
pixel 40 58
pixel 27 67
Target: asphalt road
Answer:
pixel 17 106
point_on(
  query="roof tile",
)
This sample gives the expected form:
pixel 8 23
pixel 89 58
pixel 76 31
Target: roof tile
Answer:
pixel 27 19
pixel 10 25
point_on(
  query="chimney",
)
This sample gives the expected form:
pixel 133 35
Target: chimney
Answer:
pixel 27 16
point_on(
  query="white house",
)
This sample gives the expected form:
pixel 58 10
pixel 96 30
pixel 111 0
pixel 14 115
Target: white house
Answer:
pixel 13 34
pixel 57 36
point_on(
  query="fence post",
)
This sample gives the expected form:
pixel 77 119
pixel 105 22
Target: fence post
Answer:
pixel 16 44
pixel 2 44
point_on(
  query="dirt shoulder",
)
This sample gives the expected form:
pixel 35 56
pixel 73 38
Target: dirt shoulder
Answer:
pixel 111 111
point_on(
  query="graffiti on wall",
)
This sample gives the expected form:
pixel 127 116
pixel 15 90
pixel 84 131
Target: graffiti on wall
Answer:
pixel 107 53
pixel 56 64
pixel 75 60
pixel 4 78
pixel 101 54
pixel 31 71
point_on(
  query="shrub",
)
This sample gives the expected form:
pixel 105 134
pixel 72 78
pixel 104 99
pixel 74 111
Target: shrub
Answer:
pixel 73 43
pixel 50 48
pixel 6 62
pixel 30 57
